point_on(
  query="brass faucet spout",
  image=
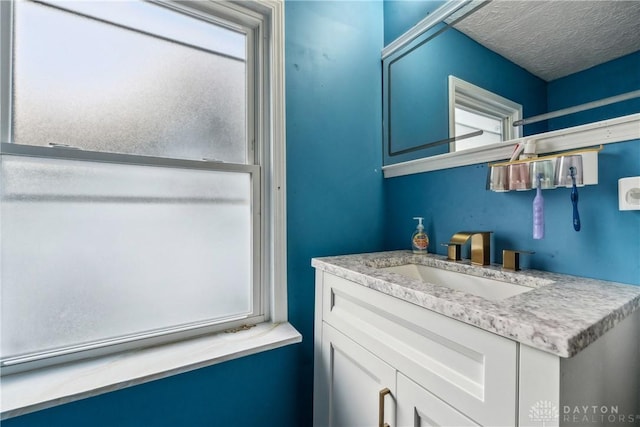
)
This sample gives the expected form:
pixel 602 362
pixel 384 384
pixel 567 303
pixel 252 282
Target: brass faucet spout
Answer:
pixel 480 246
pixel 461 237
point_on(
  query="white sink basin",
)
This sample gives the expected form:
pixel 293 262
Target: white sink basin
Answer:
pixel 480 286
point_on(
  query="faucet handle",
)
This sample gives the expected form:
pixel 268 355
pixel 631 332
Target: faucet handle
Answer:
pixel 454 251
pixel 511 259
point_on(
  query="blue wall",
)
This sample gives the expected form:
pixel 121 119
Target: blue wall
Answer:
pixel 607 247
pixel 333 147
pixel 399 16
pixel 334 204
pixel 594 84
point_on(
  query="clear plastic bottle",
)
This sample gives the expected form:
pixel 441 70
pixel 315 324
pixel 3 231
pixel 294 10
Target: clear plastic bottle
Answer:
pixel 419 240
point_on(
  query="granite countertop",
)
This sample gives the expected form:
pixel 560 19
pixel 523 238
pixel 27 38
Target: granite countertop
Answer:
pixel 562 314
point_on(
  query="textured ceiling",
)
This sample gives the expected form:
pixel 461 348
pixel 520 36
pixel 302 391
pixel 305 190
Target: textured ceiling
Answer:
pixel 552 39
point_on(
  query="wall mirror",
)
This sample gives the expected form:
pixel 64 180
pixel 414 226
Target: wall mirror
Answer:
pixel 481 72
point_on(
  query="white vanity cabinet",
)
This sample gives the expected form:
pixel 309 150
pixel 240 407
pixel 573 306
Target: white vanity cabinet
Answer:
pixel 443 372
pixel 367 341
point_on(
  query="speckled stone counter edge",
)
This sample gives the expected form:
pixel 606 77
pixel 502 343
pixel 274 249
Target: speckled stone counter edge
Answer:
pixel 562 314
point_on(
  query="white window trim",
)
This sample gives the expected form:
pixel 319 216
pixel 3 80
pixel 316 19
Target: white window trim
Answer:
pixel 482 101
pixel 29 391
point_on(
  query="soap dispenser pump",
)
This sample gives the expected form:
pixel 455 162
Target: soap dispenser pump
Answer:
pixel 419 240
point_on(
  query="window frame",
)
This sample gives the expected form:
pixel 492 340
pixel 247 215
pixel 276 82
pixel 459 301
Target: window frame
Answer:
pixel 265 155
pixel 479 101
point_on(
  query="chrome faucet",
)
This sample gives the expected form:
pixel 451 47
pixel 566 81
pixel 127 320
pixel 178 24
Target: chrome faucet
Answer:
pixel 480 246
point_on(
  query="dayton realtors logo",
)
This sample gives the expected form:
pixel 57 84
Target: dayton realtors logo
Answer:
pixel 543 412
pixel 581 415
pixel 596 414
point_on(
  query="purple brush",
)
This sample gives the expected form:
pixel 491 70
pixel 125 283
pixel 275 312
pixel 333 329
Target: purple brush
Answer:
pixel 538 211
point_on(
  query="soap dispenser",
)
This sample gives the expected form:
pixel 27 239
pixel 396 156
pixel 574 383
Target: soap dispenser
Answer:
pixel 419 240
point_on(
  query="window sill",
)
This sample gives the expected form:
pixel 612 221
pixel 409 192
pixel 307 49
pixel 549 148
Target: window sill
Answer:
pixel 26 392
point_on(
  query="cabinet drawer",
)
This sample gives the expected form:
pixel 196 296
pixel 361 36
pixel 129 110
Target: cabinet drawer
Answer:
pixel 470 369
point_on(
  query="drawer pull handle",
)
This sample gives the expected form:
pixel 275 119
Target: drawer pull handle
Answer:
pixel 381 396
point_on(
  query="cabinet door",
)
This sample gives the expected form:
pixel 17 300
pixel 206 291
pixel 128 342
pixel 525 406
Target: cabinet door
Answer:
pixel 418 408
pixel 353 379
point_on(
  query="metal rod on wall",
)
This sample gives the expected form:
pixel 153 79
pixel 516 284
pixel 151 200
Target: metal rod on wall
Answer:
pixel 578 108
pixel 436 143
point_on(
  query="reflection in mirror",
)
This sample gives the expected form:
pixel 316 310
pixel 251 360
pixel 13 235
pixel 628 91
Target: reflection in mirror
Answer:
pixel 472 108
pixel 536 56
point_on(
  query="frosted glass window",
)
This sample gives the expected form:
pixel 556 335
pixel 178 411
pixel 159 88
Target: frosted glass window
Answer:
pixel 161 21
pixel 471 121
pixel 93 251
pixel 103 86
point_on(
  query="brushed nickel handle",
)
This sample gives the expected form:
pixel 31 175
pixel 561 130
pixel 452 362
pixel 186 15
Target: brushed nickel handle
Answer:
pixel 454 251
pixel 381 396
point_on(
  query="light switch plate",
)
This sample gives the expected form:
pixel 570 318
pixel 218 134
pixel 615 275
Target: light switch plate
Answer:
pixel 629 193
